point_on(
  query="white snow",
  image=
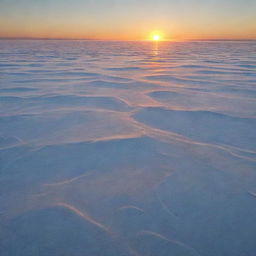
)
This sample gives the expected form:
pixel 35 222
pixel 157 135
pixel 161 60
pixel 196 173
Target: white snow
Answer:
pixel 127 148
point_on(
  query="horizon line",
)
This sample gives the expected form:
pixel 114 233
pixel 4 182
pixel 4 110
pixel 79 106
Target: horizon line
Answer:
pixel 127 40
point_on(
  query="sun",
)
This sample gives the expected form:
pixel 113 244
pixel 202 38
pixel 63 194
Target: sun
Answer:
pixel 156 37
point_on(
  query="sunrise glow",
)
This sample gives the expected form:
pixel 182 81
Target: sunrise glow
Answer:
pixel 156 37
pixel 112 20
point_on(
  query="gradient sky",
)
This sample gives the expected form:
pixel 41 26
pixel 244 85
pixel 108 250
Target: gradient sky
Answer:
pixel 128 19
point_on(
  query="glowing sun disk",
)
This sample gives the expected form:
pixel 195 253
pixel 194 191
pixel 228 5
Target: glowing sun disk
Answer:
pixel 156 37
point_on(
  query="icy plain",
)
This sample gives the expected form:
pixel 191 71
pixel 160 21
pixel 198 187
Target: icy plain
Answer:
pixel 127 148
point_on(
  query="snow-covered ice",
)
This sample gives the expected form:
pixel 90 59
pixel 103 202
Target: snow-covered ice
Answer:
pixel 127 148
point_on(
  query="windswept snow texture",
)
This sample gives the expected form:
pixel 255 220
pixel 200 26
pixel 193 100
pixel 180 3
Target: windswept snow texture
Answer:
pixel 127 148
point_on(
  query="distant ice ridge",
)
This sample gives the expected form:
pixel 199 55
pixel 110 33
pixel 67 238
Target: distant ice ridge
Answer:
pixel 127 148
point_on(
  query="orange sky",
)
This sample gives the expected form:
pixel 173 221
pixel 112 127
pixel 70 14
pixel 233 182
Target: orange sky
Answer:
pixel 128 20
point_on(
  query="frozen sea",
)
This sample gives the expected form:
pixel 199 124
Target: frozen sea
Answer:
pixel 127 148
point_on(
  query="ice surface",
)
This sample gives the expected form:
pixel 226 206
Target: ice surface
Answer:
pixel 127 148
